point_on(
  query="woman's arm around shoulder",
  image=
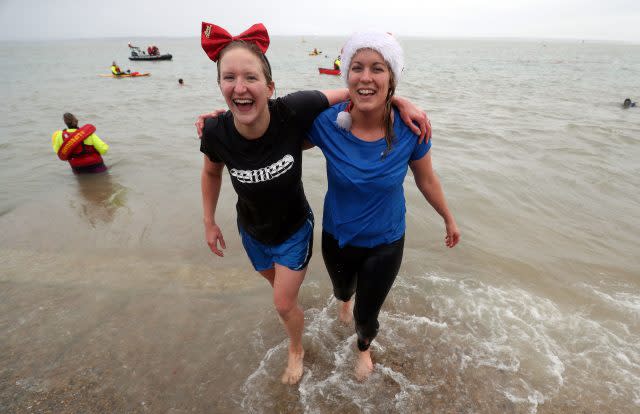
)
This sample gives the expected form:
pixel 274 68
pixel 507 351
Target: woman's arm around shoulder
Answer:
pixel 203 117
pixel 412 115
pixel 429 185
pixel 415 118
pixel 335 96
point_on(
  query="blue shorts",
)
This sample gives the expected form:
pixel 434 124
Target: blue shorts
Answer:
pixel 294 253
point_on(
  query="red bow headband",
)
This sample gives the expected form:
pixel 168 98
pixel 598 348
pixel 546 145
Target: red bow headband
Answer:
pixel 215 38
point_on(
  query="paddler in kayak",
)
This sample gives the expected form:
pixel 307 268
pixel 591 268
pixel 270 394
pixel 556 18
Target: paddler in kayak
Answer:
pixel 336 63
pixel 80 146
pixel 115 69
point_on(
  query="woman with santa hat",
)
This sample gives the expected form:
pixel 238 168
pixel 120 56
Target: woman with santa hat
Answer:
pixel 368 153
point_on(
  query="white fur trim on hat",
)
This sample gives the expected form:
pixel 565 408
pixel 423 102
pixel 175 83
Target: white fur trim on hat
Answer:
pixel 383 43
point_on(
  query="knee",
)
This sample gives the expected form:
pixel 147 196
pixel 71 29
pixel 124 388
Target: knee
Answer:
pixel 342 294
pixel 284 306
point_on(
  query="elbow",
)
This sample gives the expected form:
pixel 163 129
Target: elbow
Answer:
pixel 211 175
pixel 424 181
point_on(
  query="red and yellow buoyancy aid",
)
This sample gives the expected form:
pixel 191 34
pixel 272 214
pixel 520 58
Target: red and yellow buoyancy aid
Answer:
pixel 75 151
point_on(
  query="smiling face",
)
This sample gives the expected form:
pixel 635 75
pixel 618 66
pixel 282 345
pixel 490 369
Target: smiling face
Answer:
pixel 245 88
pixel 369 80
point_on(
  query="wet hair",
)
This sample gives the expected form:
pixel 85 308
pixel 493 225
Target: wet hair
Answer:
pixel 180 81
pixel 70 120
pixel 627 101
pixel 389 135
pixel 253 48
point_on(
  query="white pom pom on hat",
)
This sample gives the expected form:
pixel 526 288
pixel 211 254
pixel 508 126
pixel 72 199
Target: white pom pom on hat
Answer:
pixel 344 118
pixel 381 42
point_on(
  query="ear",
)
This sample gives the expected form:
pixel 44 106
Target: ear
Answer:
pixel 271 86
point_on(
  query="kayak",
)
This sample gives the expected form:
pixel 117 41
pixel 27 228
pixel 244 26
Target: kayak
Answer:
pixel 167 56
pixel 128 75
pixel 327 71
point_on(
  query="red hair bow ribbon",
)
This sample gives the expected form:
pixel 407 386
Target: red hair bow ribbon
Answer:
pixel 215 38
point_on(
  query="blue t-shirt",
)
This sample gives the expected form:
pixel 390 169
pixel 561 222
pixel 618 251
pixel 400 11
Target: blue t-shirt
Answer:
pixel 364 205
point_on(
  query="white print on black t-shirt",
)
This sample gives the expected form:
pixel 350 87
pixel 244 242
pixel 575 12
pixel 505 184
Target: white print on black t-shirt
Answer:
pixel 264 174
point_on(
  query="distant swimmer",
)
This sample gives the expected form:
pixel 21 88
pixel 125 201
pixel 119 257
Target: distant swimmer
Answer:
pixel 115 69
pixel 80 146
pixel 315 52
pixel 180 82
pixel 628 104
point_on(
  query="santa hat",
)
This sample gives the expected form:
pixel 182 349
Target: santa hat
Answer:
pixel 381 42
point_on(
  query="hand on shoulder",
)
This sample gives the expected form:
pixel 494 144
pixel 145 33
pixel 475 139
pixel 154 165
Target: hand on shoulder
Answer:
pixel 200 122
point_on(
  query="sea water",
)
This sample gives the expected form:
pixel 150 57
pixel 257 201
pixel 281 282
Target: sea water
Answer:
pixel 110 300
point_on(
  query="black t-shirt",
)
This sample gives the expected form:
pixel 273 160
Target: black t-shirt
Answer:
pixel 266 173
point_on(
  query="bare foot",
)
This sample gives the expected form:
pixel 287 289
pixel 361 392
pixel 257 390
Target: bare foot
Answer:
pixel 364 365
pixel 345 311
pixel 295 367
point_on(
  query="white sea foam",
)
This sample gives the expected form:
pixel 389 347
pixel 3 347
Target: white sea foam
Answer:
pixel 487 327
pixel 413 321
pixel 625 300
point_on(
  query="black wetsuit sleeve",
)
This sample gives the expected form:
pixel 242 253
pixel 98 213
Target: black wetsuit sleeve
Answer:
pixel 305 106
pixel 208 141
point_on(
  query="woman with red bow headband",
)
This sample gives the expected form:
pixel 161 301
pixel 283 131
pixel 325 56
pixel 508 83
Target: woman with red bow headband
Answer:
pixel 260 140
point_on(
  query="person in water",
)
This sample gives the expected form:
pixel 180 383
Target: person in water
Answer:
pixel 367 158
pixel 115 69
pixel 81 147
pixel 260 141
pixel 628 103
pixel 180 82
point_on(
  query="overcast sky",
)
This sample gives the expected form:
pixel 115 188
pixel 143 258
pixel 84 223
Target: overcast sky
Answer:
pixel 571 19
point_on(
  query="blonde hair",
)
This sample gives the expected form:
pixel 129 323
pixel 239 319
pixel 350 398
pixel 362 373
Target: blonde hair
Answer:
pixel 389 135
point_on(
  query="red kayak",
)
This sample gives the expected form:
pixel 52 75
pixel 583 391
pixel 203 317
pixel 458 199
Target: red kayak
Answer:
pixel 327 71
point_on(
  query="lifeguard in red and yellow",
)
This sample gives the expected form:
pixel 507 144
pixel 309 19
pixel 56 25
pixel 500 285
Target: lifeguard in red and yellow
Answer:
pixel 80 146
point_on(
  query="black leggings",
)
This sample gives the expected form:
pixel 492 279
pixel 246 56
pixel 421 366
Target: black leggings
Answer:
pixel 367 272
